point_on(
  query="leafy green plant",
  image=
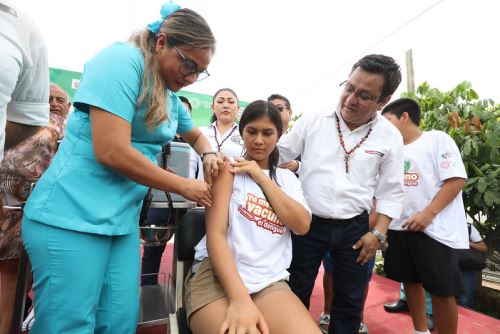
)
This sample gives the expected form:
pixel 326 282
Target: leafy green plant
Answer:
pixel 473 124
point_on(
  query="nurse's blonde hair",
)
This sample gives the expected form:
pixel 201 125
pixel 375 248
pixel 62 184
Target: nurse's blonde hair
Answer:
pixel 184 27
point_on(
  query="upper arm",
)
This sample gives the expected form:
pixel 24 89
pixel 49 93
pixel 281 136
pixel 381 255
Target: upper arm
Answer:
pixel 191 136
pixel 110 133
pixel 455 182
pixel 111 81
pixel 217 215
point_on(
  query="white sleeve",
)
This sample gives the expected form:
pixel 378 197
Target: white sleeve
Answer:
pixel 194 162
pixel 291 185
pixel 474 234
pixel 447 157
pixel 30 98
pixel 291 145
pixel 390 189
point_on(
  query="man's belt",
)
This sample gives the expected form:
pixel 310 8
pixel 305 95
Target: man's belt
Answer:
pixel 338 221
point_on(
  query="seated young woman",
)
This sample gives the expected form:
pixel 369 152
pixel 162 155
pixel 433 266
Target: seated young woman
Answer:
pixel 238 284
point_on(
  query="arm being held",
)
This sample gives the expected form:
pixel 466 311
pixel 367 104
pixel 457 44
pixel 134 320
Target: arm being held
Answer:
pixel 242 312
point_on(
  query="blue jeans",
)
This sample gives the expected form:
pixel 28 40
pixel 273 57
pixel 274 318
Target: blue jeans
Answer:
pixel 466 297
pixel 349 277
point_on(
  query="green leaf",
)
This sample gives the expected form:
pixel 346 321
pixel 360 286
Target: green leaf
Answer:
pixel 490 198
pixel 494 154
pixel 482 185
pixel 466 149
pixel 472 94
pixel 477 198
pixel 472 179
pixel 475 147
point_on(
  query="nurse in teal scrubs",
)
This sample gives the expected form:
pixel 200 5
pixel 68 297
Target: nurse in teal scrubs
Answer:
pixel 81 222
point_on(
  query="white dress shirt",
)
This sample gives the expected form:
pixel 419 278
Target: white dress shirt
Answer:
pixel 24 71
pixel 375 168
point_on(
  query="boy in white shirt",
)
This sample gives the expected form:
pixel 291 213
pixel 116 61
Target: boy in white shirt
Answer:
pixel 421 243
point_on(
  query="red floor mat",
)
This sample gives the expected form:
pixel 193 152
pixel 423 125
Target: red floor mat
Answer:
pixel 382 290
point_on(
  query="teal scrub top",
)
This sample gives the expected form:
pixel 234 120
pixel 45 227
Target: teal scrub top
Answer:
pixel 77 192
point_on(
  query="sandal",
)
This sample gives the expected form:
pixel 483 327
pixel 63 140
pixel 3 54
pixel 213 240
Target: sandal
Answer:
pixel 324 322
pixel 363 329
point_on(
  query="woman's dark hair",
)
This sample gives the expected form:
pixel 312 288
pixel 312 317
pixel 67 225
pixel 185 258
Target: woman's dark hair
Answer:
pixel 185 100
pixel 213 118
pixel 257 110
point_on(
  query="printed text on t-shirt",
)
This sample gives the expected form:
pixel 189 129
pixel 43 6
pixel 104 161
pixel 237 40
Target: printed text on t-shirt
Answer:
pixel 259 211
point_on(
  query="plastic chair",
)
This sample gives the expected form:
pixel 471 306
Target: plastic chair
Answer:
pixel 189 232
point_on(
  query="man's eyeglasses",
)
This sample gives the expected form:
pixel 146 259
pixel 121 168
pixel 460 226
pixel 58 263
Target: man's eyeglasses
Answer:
pixel 282 108
pixel 363 97
pixel 189 67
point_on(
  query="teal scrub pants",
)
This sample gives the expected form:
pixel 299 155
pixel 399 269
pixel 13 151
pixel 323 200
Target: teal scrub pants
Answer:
pixel 83 282
pixel 428 301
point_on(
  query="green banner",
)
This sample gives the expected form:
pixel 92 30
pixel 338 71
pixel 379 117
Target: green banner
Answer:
pixel 68 80
pixel 201 103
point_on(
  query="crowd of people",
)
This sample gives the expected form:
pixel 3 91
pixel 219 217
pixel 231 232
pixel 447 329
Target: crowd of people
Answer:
pixel 279 201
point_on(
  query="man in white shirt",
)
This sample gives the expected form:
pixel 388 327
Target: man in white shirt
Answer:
pixel 350 155
pixel 24 78
pixel 283 105
pixel 421 242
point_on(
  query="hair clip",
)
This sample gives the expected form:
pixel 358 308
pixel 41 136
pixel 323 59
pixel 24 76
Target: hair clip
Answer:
pixel 166 10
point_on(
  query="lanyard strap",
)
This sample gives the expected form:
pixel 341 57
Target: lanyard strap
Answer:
pixel 219 145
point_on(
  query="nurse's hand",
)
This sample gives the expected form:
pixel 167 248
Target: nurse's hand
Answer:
pixel 211 166
pixel 197 191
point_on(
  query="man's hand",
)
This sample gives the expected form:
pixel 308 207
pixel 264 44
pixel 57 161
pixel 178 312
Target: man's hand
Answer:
pixel 369 245
pixel 291 165
pixel 419 221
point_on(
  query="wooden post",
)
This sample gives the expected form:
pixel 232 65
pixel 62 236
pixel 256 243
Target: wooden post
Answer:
pixel 410 77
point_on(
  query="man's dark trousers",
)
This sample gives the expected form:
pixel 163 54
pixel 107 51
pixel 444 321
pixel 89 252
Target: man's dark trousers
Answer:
pixel 349 277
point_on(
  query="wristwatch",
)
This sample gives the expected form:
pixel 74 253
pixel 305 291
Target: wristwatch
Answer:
pixel 204 154
pixel 381 238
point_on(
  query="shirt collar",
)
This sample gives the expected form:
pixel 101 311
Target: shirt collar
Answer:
pixel 213 126
pixel 371 123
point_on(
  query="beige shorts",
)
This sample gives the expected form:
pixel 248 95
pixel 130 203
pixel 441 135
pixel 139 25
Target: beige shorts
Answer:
pixel 203 288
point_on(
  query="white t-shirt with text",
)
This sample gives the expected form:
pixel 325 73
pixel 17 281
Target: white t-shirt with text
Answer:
pixel 428 162
pixel 261 245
